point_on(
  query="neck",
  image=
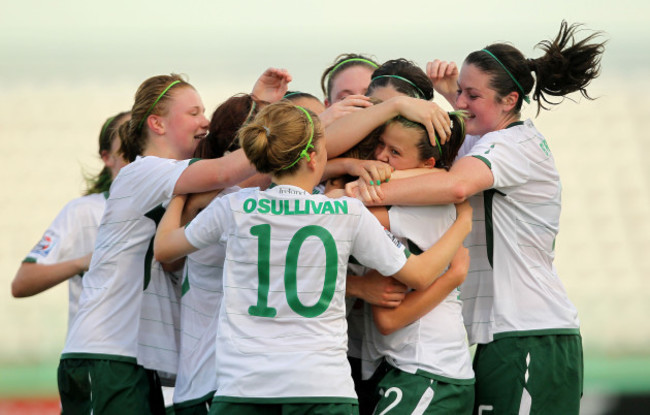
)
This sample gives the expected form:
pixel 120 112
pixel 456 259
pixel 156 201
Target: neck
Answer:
pixel 157 147
pixel 304 181
pixel 507 120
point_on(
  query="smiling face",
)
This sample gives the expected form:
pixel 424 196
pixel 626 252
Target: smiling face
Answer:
pixel 353 80
pixel 184 122
pixel 487 111
pixel 398 147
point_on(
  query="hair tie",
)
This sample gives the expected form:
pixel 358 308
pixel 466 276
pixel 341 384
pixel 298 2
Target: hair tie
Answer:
pixel 401 79
pixel 338 65
pixel 266 129
pixel 526 97
pixel 304 153
pixel 155 102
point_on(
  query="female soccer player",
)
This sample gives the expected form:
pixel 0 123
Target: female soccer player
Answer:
pixel 281 338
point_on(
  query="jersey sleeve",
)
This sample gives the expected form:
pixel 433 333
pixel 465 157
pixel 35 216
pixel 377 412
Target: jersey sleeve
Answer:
pixel 500 152
pixel 208 226
pixel 375 247
pixel 71 234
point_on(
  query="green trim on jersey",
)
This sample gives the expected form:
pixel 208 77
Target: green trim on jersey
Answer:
pixel 106 194
pixel 413 248
pixel 207 398
pixel 452 381
pixel 542 332
pixel 484 160
pixel 155 215
pixel 514 124
pixel 488 196
pixel 285 400
pixel 100 356
pixel 29 260
pixel 193 160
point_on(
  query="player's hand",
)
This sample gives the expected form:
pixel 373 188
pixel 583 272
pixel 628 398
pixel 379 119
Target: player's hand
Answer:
pixel 272 85
pixel 350 104
pixel 371 171
pixel 378 290
pixel 370 195
pixel 444 76
pixel 429 114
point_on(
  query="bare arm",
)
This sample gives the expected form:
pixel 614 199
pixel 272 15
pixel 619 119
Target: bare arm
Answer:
pixel 421 270
pixel 347 131
pixel 272 85
pixel 170 242
pixel 33 278
pixel 376 289
pixel 417 304
pixel 214 174
pixel 467 176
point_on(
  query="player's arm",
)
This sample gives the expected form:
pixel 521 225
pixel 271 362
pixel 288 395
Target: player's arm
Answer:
pixel 170 242
pixel 420 271
pixel 417 304
pixel 33 278
pixel 375 289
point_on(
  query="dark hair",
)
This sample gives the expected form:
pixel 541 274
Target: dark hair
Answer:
pixel 421 86
pixel 149 99
pixel 444 154
pixel 102 181
pixel 294 95
pixel 226 120
pixel 566 66
pixel 340 64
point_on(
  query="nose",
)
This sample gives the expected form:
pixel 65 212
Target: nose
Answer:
pixel 381 154
pixel 461 102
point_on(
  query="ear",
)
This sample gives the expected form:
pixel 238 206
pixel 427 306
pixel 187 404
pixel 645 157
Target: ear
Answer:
pixel 156 124
pixel 429 163
pixel 312 160
pixel 510 100
pixel 327 103
pixel 106 157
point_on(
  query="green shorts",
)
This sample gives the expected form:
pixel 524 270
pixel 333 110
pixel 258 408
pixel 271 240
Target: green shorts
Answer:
pixel 406 393
pixel 199 406
pixel 228 408
pixel 529 375
pixel 108 387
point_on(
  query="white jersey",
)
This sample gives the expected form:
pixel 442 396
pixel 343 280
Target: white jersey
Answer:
pixel 435 345
pixel 108 323
pixel 200 304
pixel 282 331
pixel 522 212
pixel 476 315
pixel 71 235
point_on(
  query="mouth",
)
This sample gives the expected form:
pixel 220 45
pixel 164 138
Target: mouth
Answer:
pixel 201 136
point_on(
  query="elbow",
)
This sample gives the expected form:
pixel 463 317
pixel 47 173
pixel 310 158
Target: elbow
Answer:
pixel 18 291
pixel 384 324
pixel 459 192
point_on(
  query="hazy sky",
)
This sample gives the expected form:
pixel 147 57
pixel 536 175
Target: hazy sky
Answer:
pixel 45 41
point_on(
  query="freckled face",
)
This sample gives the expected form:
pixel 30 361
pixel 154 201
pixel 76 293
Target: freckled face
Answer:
pixel 185 122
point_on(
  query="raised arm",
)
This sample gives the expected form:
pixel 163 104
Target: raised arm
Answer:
pixel 211 174
pixel 416 304
pixel 347 131
pixel 33 278
pixel 272 85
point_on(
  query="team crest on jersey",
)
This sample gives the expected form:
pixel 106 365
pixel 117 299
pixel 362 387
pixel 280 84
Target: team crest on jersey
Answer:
pixel 44 247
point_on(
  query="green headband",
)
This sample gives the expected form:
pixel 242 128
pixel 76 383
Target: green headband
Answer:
pixel 526 97
pixel 290 94
pixel 343 62
pixel 106 124
pixel 401 79
pixel 155 102
pixel 309 145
